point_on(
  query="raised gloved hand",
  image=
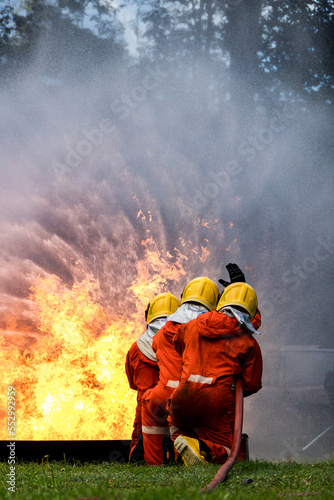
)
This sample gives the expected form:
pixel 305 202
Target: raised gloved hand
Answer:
pixel 236 275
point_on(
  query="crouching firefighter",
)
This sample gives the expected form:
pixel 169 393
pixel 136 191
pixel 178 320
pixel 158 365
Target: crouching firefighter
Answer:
pixel 198 297
pixel 216 347
pixel 141 363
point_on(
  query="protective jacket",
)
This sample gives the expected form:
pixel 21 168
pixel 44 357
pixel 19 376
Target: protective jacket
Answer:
pixel 141 363
pixel 142 373
pixel 215 345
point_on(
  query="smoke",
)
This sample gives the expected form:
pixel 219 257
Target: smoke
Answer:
pixel 94 163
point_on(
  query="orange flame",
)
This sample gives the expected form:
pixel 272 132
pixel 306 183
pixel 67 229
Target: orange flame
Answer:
pixel 207 224
pixel 141 214
pixel 205 254
pixel 72 383
pixel 154 272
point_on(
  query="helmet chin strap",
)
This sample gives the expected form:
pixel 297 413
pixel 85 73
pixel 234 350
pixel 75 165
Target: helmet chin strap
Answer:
pixel 146 312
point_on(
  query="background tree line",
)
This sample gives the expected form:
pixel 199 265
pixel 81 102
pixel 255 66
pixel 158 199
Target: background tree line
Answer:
pixel 277 48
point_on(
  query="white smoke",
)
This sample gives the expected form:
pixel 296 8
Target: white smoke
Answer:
pixel 91 167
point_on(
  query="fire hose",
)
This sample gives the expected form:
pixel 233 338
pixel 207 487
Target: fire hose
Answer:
pixel 236 442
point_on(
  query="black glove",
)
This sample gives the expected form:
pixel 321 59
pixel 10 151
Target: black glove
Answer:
pixel 236 275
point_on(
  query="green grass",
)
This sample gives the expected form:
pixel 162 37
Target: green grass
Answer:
pixel 251 480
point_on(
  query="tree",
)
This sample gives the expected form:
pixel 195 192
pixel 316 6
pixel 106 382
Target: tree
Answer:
pixel 297 52
pixel 63 27
pixel 265 45
pixel 7 26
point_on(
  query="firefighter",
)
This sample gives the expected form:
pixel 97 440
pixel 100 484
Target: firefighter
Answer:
pixel 199 296
pixel 216 348
pixel 141 362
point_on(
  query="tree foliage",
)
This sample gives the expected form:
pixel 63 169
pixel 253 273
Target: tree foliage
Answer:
pixel 78 31
pixel 272 46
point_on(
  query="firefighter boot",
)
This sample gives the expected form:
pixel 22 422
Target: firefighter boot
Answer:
pixel 245 444
pixel 190 450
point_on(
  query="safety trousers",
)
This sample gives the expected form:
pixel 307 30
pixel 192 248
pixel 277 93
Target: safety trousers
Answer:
pixel 206 412
pixel 137 424
pixel 154 422
pixel 142 375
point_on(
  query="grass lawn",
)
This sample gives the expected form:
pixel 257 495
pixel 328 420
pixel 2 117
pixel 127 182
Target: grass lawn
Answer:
pixel 251 480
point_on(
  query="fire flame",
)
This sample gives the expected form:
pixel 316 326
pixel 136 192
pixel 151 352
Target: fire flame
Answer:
pixel 71 384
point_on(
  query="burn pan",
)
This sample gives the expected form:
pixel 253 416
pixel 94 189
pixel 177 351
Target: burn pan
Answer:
pixel 82 451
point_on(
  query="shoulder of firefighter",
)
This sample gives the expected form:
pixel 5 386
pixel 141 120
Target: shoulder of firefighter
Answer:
pixel 129 369
pixel 144 342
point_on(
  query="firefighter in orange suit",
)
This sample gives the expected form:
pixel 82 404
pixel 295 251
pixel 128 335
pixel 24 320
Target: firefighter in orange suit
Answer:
pixel 198 297
pixel 141 362
pixel 216 348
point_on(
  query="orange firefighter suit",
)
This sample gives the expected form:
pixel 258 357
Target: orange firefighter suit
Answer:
pixel 154 401
pixel 142 371
pixel 215 349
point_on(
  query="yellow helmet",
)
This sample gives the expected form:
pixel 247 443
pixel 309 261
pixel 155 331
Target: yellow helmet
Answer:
pixel 162 305
pixel 201 290
pixel 239 294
